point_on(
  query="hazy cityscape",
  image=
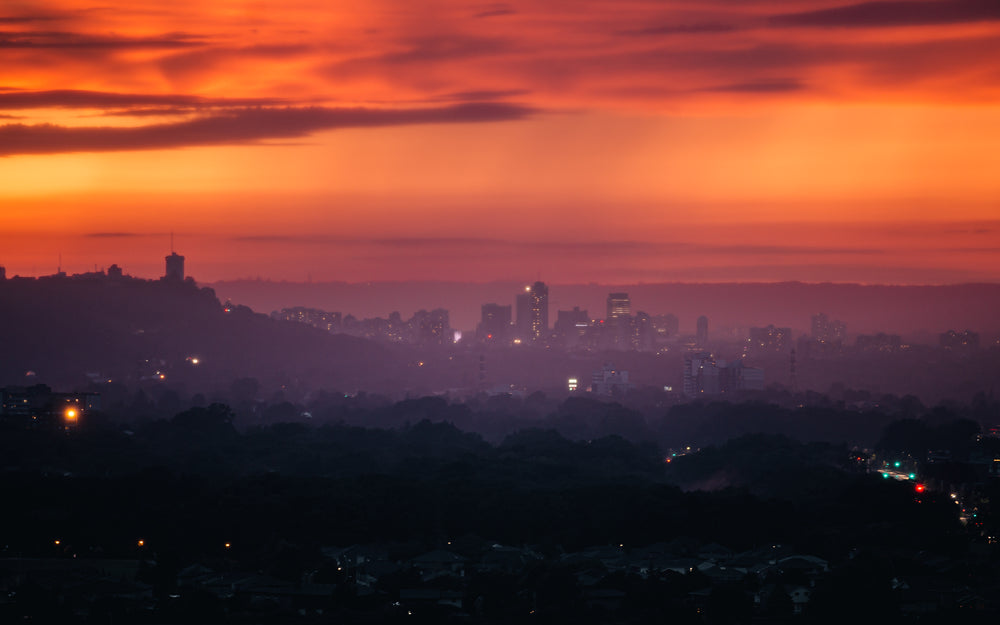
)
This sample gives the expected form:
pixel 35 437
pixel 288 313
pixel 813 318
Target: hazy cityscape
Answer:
pixel 590 468
pixel 497 312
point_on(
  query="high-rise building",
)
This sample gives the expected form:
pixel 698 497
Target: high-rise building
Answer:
pixel 175 268
pixel 619 305
pixel 494 326
pixel 643 332
pixel 571 326
pixel 770 339
pixel 431 327
pixel 701 331
pixel 533 312
pixel 826 331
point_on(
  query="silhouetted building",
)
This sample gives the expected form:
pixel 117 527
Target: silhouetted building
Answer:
pixel 609 381
pixel 619 305
pixel 701 331
pixel 769 339
pixel 329 321
pixel 694 366
pixel 431 327
pixel 38 405
pixel 175 268
pixel 571 326
pixel 533 312
pixel 3 273
pixel 706 376
pixel 826 331
pixel 953 340
pixel 115 272
pixel 643 332
pixel 395 327
pixel 494 325
pixel 880 342
pixel 666 326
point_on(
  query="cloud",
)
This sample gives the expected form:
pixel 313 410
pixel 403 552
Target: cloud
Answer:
pixel 809 273
pixel 680 29
pixel 57 39
pixel 428 52
pixel 25 19
pixel 191 63
pixel 455 47
pixel 485 245
pixel 485 94
pixel 114 235
pixel 495 10
pixel 763 86
pixel 72 98
pixel 889 14
pixel 148 112
pixel 239 126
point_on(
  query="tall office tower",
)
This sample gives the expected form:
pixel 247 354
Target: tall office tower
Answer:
pixel 826 331
pixel 523 322
pixel 431 328
pixel 175 268
pixel 701 332
pixel 495 323
pixel 533 312
pixel 619 305
pixel 699 368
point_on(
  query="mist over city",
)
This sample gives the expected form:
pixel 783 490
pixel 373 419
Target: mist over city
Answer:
pixel 490 313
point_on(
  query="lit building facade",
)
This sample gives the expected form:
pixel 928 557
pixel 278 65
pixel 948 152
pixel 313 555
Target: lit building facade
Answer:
pixel 533 312
pixel 619 305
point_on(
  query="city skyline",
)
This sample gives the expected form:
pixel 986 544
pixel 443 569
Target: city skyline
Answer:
pixel 619 142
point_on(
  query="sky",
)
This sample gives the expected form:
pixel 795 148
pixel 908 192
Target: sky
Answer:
pixel 610 141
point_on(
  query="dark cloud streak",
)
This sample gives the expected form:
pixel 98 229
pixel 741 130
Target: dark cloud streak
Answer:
pixel 763 86
pixel 241 126
pixel 679 29
pixel 59 39
pixel 71 98
pixel 26 19
pixel 461 245
pixel 889 14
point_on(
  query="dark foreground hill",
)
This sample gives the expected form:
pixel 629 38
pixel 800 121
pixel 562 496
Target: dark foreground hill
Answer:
pixel 130 330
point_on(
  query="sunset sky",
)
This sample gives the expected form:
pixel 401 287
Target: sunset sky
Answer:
pixel 588 140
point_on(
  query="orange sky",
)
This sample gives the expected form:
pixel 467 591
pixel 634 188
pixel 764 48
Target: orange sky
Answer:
pixel 593 140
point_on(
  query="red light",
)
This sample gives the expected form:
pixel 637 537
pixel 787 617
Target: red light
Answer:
pixel 920 488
